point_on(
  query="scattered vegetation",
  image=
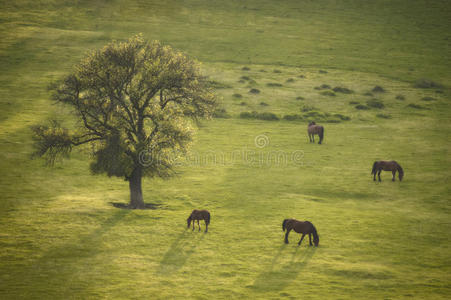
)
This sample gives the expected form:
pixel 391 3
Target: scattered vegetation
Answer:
pixel 218 85
pixel 427 98
pixel 254 91
pixel 362 107
pixel 274 84
pixel 306 108
pixel 427 84
pixel 237 96
pixel 354 102
pixel 383 116
pixel 290 80
pixel 342 90
pixel 300 98
pixel 277 71
pixel 322 87
pixel 221 113
pixel 245 78
pixel 400 97
pixel 293 117
pixel 301 76
pixel 267 116
pixel 264 104
pixel 368 94
pixel 243 103
pixel 328 93
pixel 245 68
pixel 378 89
pixel 415 106
pixel 322 71
pixel 375 103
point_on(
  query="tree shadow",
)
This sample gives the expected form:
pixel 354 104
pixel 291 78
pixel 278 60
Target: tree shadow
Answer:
pixel 179 251
pixel 127 206
pixel 278 276
pixel 53 264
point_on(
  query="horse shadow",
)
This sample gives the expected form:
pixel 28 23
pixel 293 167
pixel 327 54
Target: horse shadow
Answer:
pixel 279 274
pixel 178 253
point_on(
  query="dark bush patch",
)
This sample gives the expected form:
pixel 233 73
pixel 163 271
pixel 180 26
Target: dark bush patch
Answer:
pixel 290 80
pixel 293 117
pixel 400 97
pixel 427 84
pixel 439 92
pixel 416 106
pixel 245 78
pixel 267 116
pixel 328 93
pixel 353 102
pixel 383 116
pixel 263 70
pixel 362 107
pixel 322 71
pixel 264 104
pixel 245 68
pixel 301 76
pixel 241 81
pixel 428 99
pixel 325 86
pixel 254 91
pixel 243 103
pixel 300 98
pixel 273 84
pixel 378 89
pixel 368 94
pixel 343 90
pixel 221 113
pixel 277 71
pixel 375 103
pixel 342 117
pixel 238 96
pixel 306 108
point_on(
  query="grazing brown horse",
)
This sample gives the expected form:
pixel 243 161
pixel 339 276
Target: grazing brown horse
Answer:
pixel 199 215
pixel 385 165
pixel 315 129
pixel 304 227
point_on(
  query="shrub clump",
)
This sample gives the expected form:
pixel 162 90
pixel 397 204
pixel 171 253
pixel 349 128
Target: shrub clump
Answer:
pixel 322 71
pixel 245 78
pixel 290 80
pixel 343 90
pixel 383 116
pixel 243 103
pixel 277 71
pixel 368 94
pixel 354 102
pixel 274 84
pixel 362 107
pixel 427 84
pixel 416 106
pixel 254 91
pixel 245 68
pixel 400 97
pixel 306 108
pixel 342 117
pixel 293 117
pixel 300 98
pixel 221 113
pixel 428 99
pixel 218 85
pixel 322 87
pixel 328 93
pixel 375 103
pixel 378 89
pixel 237 96
pixel 264 104
pixel 267 116
pixel 301 76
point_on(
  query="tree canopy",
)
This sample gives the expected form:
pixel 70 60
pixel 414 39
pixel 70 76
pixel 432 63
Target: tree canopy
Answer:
pixel 134 101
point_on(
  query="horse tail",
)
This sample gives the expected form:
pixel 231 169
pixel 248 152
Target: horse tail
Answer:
pixel 400 171
pixel 321 134
pixel 374 168
pixel 284 224
pixel 207 219
pixel 315 233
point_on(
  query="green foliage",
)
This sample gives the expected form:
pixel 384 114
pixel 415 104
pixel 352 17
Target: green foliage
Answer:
pixel 267 116
pixel 375 103
pixel 221 113
pixel 254 91
pixel 342 90
pixel 362 107
pixel 130 97
pixel 427 84
pixel 378 89
pixel 328 93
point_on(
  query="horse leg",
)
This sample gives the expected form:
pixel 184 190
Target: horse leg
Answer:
pixel 379 175
pixel 206 227
pixel 309 138
pixel 374 178
pixel 310 239
pixel 194 222
pixel 198 224
pixel 394 173
pixel 313 137
pixel 286 236
pixel 301 239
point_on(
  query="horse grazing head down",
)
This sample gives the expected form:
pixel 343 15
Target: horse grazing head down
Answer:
pixel 189 221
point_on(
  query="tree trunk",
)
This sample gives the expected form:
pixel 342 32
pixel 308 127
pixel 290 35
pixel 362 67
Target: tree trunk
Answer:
pixel 136 195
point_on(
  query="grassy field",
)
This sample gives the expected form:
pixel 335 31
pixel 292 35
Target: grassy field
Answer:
pixel 61 237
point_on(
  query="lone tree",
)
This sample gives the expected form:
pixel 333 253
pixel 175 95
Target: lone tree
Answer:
pixel 134 102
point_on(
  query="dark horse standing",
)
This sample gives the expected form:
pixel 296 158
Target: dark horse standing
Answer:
pixel 304 227
pixel 315 129
pixel 197 215
pixel 385 165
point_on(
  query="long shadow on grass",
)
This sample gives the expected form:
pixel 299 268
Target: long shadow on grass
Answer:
pixel 179 251
pixel 280 273
pixel 60 266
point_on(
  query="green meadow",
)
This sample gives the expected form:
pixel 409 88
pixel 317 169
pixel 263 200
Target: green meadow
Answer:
pixel 275 66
